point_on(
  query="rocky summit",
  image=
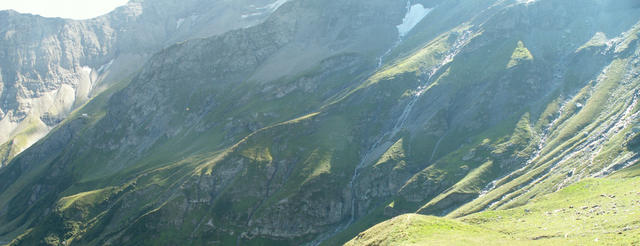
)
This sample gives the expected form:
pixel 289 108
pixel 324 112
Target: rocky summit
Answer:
pixel 323 122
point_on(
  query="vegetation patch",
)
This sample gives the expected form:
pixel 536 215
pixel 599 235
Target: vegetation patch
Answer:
pixel 520 54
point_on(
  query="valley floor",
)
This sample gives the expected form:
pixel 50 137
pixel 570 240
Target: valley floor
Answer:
pixel 597 211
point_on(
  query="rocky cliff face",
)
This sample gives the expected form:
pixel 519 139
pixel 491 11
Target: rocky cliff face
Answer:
pixel 49 67
pixel 331 116
pixel 188 89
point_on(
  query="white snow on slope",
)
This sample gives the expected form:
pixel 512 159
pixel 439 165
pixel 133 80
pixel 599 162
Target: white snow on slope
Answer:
pixel 416 13
pixel 527 1
pixel 267 9
pixel 276 5
pixel 179 23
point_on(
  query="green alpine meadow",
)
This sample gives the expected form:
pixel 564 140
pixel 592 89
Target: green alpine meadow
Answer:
pixel 322 122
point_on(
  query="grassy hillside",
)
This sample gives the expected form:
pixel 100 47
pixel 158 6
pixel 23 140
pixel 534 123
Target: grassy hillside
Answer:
pixel 591 212
pixel 475 114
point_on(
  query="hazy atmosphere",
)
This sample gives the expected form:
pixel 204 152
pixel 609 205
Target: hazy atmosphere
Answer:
pixel 320 122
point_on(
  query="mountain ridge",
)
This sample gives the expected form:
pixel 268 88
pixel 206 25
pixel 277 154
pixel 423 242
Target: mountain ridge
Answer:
pixel 53 65
pixel 486 110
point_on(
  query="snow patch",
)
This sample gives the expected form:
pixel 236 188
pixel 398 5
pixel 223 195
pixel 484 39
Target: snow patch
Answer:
pixel 414 15
pixel 86 70
pixel 105 66
pixel 251 15
pixel 179 23
pixel 527 1
pixel 266 9
pixel 275 5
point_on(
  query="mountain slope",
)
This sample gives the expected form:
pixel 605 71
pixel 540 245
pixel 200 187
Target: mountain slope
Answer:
pixel 592 211
pixel 304 129
pixel 145 128
pixel 51 66
pixel 488 144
